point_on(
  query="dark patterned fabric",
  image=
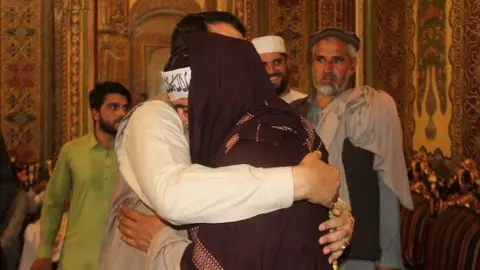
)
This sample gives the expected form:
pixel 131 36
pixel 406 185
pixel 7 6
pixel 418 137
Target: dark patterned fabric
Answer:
pixel 454 241
pixel 282 240
pixel 449 241
pixel 414 229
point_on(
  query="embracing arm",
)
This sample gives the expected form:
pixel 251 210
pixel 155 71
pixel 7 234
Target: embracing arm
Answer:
pixel 154 158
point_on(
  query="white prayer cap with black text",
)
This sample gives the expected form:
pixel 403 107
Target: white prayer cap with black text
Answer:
pixel 177 82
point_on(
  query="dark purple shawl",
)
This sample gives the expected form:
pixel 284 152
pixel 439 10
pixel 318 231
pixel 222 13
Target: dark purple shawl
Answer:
pixel 235 117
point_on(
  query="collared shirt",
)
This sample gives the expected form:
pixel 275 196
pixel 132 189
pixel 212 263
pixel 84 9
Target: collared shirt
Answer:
pixel 87 171
pixel 154 158
pixel 292 95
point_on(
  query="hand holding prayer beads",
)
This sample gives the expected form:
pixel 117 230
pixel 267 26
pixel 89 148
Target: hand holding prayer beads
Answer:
pixel 339 235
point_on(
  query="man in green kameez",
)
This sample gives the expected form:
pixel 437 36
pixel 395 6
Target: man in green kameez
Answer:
pixel 85 170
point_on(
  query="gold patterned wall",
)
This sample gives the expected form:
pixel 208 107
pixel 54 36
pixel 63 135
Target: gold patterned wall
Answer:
pixel 56 50
pixel 431 77
pixel 426 54
pixel 21 98
pixel 464 89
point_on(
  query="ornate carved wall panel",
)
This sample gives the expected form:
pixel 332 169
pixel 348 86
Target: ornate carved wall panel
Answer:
pixel 150 44
pixel 72 71
pixel 433 108
pixel 250 13
pixel 113 59
pixel 464 17
pixel 335 13
pixel 293 21
pixel 393 59
pixel 59 82
pixel 112 16
pixel 113 47
pixel 21 102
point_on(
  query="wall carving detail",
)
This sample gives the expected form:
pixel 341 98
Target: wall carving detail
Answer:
pixel 394 61
pixel 333 13
pixel 291 21
pixel 465 86
pixel 431 63
pixel 21 101
pixel 249 12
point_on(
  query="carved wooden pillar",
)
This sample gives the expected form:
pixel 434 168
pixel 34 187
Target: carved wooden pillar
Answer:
pixel 73 73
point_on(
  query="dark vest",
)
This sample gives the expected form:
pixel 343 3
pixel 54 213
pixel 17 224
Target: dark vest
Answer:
pixel 364 194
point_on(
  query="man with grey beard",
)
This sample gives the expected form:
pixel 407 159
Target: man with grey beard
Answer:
pixel 362 133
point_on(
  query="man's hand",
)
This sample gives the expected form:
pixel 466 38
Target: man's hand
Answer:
pixel 316 181
pixel 42 264
pixel 337 240
pixel 137 229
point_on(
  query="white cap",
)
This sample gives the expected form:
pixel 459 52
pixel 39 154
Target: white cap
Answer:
pixel 177 82
pixel 269 44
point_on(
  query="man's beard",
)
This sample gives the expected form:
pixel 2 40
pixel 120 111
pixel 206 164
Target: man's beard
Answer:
pixel 283 83
pixel 108 128
pixel 328 90
pixel 331 90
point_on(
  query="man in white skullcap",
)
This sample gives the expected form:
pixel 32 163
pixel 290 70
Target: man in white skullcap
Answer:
pixel 274 56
